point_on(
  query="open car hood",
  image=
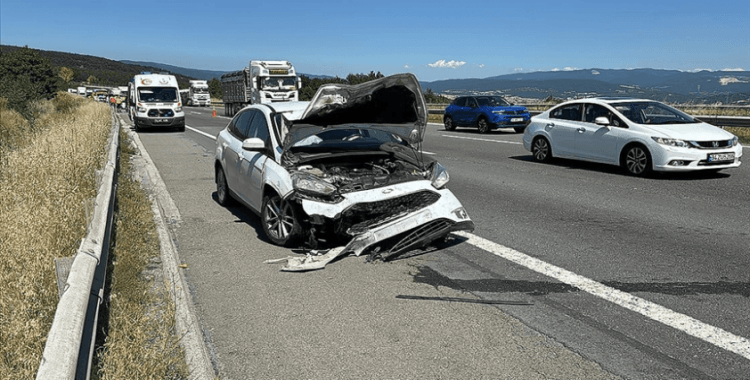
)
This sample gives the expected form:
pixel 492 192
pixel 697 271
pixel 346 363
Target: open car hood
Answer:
pixel 393 104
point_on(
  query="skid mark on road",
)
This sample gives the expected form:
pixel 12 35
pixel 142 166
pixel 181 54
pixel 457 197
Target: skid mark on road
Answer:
pixel 684 323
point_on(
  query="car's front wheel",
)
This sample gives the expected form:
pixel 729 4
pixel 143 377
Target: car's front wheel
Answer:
pixel 541 149
pixel 636 160
pixel 279 220
pixel 448 122
pixel 483 125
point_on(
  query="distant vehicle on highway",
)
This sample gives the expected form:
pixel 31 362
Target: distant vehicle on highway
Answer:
pixel 343 170
pixel 485 113
pixel 640 135
pixel 260 82
pixel 154 101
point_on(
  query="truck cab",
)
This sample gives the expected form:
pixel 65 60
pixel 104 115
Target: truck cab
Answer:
pixel 154 102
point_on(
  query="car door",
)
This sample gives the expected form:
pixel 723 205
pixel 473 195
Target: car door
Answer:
pixel 598 142
pixel 471 111
pixel 562 128
pixel 458 110
pixel 232 148
pixel 253 162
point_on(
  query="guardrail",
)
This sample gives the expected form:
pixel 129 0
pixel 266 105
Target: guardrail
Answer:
pixel 719 121
pixel 70 342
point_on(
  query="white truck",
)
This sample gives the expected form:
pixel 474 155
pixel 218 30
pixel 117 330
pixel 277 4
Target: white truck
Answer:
pixel 154 101
pixel 198 94
pixel 260 82
pixel 82 91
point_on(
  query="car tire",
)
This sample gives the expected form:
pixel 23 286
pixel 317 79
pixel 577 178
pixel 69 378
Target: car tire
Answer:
pixel 519 129
pixel 636 160
pixel 483 125
pixel 222 188
pixel 448 122
pixel 279 220
pixel 541 149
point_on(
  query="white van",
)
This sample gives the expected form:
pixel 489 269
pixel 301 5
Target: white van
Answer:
pixel 154 102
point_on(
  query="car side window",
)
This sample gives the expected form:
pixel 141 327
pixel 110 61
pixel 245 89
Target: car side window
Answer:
pixel 470 102
pixel 243 124
pixel 259 127
pixel 592 111
pixel 569 112
pixel 460 102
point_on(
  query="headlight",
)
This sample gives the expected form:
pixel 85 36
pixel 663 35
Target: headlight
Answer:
pixel 439 175
pixel 178 109
pixel 310 183
pixel 142 109
pixel 733 142
pixel 671 142
pixel 499 112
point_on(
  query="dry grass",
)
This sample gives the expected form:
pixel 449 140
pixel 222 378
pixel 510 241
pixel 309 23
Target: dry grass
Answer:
pixel 141 343
pixel 47 176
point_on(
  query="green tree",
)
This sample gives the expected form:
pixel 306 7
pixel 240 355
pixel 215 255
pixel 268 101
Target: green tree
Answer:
pixel 214 88
pixel 26 76
pixel 92 80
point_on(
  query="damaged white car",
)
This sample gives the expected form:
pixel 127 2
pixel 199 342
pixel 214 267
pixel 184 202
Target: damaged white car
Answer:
pixel 344 172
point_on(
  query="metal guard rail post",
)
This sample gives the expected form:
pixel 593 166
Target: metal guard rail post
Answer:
pixel 70 342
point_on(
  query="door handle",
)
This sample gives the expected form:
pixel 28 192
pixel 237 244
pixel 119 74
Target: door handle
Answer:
pixel 581 130
pixel 549 126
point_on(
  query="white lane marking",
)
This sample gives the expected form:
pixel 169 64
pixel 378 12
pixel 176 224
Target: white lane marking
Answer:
pixel 200 132
pixel 487 140
pixel 684 323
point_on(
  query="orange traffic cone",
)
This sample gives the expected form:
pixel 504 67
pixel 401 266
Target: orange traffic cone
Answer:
pixel 214 113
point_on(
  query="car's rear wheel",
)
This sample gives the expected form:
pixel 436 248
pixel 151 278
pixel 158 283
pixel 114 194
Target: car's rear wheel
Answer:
pixel 222 189
pixel 483 125
pixel 541 150
pixel 448 122
pixel 636 160
pixel 279 220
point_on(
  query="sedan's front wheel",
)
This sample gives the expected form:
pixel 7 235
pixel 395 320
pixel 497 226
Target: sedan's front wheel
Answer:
pixel 636 160
pixel 279 221
pixel 541 149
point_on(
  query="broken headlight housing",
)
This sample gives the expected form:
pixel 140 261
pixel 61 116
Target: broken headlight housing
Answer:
pixel 439 176
pixel 308 183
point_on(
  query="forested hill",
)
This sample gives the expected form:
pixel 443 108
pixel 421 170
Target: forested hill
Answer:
pixel 92 70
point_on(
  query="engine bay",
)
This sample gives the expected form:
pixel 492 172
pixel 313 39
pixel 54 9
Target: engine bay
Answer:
pixel 363 173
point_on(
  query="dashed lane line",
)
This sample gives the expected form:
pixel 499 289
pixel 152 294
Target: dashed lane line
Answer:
pixel 689 325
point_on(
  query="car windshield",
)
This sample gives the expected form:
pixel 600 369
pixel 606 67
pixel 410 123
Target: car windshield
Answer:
pixel 653 113
pixel 200 90
pixel 346 139
pixel 492 101
pixel 157 94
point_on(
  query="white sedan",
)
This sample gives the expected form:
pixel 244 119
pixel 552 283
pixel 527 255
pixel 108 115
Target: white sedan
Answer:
pixel 344 171
pixel 637 134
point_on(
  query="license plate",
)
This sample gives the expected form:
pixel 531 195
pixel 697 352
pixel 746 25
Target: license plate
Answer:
pixel 516 120
pixel 161 120
pixel 720 157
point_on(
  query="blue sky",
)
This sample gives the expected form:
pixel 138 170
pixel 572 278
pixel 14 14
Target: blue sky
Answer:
pixel 432 39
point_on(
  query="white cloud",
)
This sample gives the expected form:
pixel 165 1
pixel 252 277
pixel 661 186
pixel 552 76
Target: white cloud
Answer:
pixel 481 65
pixel 407 66
pixel 566 69
pixel 517 69
pixel 449 64
pixel 734 69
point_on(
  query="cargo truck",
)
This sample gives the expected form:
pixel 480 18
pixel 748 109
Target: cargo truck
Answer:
pixel 260 82
pixel 154 102
pixel 198 94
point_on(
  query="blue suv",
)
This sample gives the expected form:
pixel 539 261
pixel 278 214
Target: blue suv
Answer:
pixel 485 113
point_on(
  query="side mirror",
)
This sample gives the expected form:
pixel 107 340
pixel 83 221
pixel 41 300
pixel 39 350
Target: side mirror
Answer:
pixel 602 120
pixel 254 144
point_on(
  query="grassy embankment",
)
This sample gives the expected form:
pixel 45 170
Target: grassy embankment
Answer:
pixel 48 182
pixel 742 133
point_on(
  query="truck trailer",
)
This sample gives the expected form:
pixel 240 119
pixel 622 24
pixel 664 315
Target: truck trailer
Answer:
pixel 154 101
pixel 260 82
pixel 198 94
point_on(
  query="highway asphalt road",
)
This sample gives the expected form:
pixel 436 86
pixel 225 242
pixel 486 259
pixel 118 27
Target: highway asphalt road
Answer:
pixel 668 258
